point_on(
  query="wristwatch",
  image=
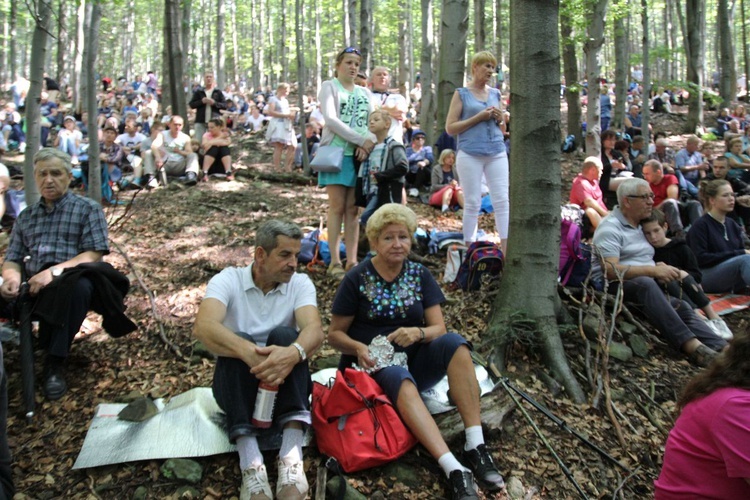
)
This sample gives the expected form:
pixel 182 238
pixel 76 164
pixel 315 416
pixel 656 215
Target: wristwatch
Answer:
pixel 56 271
pixel 301 350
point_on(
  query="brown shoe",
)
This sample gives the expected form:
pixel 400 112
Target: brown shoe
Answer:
pixel 702 356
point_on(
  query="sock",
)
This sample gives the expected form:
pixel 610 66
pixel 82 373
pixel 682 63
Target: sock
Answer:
pixel 449 463
pixel 291 444
pixel 250 455
pixel 474 437
pixel 445 208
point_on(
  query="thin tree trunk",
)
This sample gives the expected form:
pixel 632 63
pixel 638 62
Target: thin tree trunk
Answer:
pixel 221 46
pixel 570 69
pixel 365 34
pixel 530 281
pixel 93 18
pixel 318 48
pixel 187 7
pixel 282 44
pixel 62 41
pixel 452 54
pixel 33 114
pixel 675 62
pixel 480 34
pixel 235 46
pixel 728 79
pixel 4 76
pixel 352 14
pixel 13 34
pixel 346 28
pixel 621 72
pixel 175 56
pixel 404 54
pixel 78 64
pixel 428 105
pixel 499 33
pixel 645 110
pixel 695 58
pixel 300 43
pixel 745 48
pixel 592 47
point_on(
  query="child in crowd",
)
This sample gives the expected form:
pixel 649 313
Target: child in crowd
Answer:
pixel 383 172
pixel 675 252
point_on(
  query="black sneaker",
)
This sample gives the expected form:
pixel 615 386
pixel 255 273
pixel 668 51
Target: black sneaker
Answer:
pixel 190 179
pixel 480 462
pixel 462 485
pixel 55 386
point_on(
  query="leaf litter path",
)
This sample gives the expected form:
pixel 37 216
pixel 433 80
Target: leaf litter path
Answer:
pixel 179 238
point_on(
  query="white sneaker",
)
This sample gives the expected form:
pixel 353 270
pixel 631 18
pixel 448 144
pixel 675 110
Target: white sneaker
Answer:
pixel 292 484
pixel 414 192
pixel 255 484
pixel 720 328
pixel 22 148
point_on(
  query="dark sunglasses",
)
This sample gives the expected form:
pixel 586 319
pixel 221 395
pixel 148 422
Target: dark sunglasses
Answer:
pixel 351 50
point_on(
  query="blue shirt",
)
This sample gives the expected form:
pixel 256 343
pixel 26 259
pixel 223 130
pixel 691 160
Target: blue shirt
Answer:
pixel 685 159
pixel 52 235
pixel 485 138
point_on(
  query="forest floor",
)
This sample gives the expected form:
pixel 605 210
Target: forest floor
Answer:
pixel 179 238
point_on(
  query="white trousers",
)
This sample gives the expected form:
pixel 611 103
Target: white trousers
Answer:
pixel 494 168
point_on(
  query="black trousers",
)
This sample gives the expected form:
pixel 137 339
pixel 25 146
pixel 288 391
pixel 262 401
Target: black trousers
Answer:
pixel 6 481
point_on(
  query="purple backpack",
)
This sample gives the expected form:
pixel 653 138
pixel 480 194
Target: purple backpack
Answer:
pixel 570 248
pixel 482 258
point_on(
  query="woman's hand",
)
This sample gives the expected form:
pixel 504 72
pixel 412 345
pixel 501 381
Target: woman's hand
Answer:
pixel 405 336
pixel 361 154
pixel 368 145
pixel 363 356
pixel 617 165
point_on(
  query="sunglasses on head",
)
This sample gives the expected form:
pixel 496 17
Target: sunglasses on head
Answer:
pixel 351 50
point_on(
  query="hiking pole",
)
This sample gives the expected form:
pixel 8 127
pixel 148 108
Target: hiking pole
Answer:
pixel 26 342
pixel 561 423
pixel 504 382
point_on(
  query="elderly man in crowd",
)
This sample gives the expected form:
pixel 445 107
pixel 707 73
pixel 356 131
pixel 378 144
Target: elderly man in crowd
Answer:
pixel 667 198
pixel 63 234
pixel 628 255
pixel 586 192
pixel 263 322
pixel 394 103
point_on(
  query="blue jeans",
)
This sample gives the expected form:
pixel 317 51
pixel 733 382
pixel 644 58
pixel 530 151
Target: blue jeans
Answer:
pixel 372 205
pixel 235 390
pixel 6 480
pixel 68 145
pixel 730 275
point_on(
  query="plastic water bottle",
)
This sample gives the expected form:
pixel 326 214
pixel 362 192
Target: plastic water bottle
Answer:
pixel 264 403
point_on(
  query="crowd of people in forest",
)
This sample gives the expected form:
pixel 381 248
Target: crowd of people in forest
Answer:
pixel 670 228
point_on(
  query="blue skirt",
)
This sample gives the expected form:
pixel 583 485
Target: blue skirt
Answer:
pixel 347 177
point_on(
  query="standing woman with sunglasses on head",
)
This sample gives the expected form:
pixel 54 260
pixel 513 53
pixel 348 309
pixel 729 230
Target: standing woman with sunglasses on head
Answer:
pixel 476 118
pixel 346 108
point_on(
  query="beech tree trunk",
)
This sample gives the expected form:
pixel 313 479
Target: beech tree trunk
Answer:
pixel 621 73
pixel 318 48
pixel 404 54
pixel 91 49
pixel 645 110
pixel 352 18
pixel 480 34
pixel 62 42
pixel 221 46
pixel 728 79
pixel 365 35
pixel 78 63
pixel 33 114
pixel 175 55
pixel 13 34
pixel 592 47
pixel 745 48
pixel 530 280
pixel 428 106
pixel 452 54
pixel 499 32
pixel 300 42
pixel 570 69
pixel 695 49
pixel 187 6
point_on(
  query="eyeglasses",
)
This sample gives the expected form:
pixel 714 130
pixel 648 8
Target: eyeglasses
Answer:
pixel 351 50
pixel 647 196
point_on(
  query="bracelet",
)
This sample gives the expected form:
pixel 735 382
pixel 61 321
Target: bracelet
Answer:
pixel 421 333
pixel 301 350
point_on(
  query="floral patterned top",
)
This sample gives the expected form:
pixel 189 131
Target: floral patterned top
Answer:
pixel 379 307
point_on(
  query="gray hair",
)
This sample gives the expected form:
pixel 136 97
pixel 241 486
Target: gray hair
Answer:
pixel 654 166
pixel 266 237
pixel 629 187
pixel 54 154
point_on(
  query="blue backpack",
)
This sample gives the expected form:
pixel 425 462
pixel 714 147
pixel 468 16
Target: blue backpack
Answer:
pixel 569 145
pixel 483 260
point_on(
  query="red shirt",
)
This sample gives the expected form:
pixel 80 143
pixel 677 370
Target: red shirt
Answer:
pixel 660 190
pixel 584 189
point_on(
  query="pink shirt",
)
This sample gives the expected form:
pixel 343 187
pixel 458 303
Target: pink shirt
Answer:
pixel 708 451
pixel 583 189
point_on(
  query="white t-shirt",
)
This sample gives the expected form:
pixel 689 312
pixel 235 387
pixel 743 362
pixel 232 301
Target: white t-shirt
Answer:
pixel 381 99
pixel 130 141
pixel 257 123
pixel 251 311
pixel 174 143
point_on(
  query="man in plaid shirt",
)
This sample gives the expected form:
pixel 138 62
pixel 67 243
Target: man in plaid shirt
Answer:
pixel 60 231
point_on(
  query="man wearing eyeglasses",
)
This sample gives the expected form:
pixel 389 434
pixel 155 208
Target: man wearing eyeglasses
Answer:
pixel 666 191
pixel 629 261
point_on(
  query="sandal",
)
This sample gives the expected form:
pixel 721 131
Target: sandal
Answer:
pixel 702 356
pixel 336 271
pixel 350 265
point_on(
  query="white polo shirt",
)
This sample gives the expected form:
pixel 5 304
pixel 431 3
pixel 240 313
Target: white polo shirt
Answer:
pixel 251 311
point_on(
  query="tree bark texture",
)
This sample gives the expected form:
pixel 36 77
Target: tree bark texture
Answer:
pixel 428 106
pixel 404 54
pixel 480 33
pixel 530 281
pixel 33 113
pixel 62 40
pixel 281 58
pixel 299 36
pixel 452 54
pixel 78 62
pixel 13 34
pixel 221 46
pixel 621 73
pixel 645 46
pixel 365 35
pixel 175 56
pixel 695 48
pixel 728 79
pixel 593 47
pixel 93 19
pixel 745 48
pixel 570 69
pixel 352 17
pixel 187 8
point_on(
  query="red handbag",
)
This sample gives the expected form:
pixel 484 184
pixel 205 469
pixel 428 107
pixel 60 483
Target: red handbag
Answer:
pixel 356 423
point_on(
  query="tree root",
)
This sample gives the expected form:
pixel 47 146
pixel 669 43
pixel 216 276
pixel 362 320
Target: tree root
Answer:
pixel 162 334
